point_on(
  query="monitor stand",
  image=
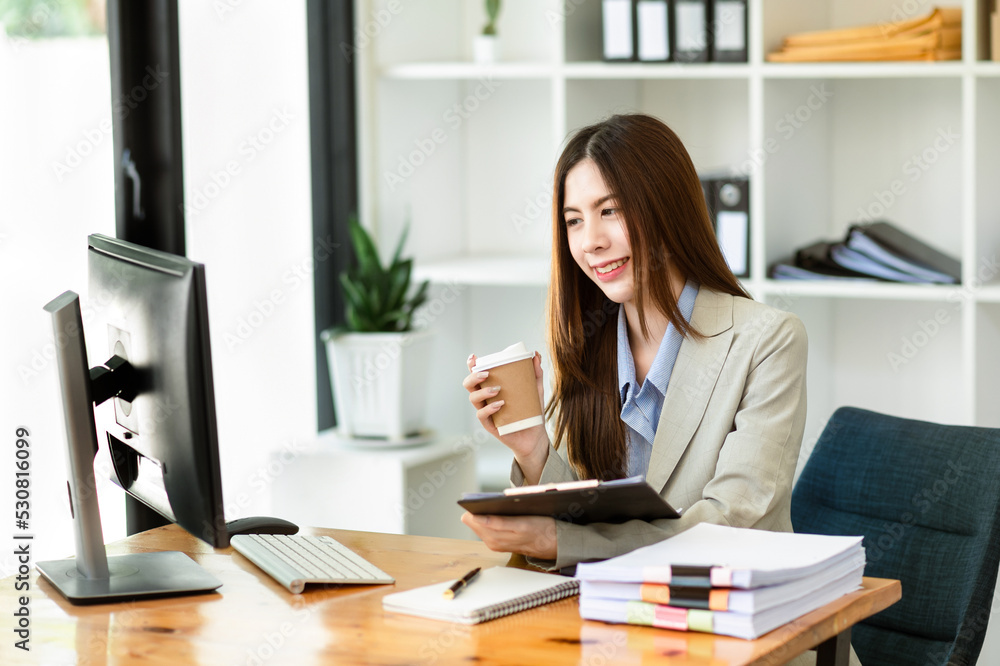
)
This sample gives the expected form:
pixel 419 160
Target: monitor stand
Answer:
pixel 93 577
pixel 130 577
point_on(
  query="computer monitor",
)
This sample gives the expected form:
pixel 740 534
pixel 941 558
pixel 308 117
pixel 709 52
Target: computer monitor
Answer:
pixel 150 308
pixel 149 390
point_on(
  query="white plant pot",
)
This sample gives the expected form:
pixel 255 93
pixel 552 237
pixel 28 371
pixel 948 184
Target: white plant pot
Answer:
pixel 485 49
pixel 379 383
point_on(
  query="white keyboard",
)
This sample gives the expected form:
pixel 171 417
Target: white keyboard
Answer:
pixel 297 559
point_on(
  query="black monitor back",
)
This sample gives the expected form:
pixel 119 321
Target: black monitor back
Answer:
pixel 150 308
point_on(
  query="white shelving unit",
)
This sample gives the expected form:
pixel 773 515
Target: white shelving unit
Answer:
pixel 415 494
pixel 464 153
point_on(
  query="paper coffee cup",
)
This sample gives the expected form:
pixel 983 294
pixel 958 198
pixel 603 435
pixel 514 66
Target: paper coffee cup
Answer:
pixel 513 370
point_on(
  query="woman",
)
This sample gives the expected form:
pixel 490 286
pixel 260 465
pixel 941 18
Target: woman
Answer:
pixel 664 366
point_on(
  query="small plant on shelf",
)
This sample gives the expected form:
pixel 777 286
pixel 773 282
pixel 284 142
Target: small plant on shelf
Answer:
pixel 492 12
pixel 378 364
pixel 377 298
pixel 486 46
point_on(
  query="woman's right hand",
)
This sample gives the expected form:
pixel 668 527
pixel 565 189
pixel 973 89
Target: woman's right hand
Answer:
pixel 531 445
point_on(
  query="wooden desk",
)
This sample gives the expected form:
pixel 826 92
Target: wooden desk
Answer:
pixel 252 620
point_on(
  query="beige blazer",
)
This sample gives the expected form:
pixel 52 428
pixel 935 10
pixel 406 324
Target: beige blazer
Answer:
pixel 728 438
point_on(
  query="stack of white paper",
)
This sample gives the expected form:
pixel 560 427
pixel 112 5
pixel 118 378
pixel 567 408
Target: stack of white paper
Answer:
pixel 723 580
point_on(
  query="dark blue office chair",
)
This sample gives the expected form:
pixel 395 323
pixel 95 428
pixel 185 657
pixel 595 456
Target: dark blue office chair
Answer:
pixel 926 498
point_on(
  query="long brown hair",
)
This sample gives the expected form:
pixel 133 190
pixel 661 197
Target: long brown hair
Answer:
pixel 656 188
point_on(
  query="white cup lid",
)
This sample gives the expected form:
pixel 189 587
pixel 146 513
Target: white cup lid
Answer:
pixel 516 352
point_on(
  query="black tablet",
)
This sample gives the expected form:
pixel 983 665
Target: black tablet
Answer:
pixel 579 502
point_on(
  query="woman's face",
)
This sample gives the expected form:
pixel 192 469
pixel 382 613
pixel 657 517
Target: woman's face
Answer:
pixel 596 231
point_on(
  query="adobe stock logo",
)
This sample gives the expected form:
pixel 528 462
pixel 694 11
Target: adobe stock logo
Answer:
pixel 913 168
pixel 77 152
pixel 221 178
pixel 425 146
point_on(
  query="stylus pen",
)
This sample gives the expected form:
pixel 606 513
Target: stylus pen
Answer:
pixel 461 583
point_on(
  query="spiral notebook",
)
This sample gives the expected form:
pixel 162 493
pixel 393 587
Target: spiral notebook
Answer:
pixel 496 592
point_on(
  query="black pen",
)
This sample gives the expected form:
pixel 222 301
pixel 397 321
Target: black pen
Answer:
pixel 460 583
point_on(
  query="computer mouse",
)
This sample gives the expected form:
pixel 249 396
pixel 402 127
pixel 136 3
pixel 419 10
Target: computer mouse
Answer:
pixel 260 525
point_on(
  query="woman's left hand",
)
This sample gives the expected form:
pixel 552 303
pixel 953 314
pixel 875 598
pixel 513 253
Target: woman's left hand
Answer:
pixel 533 536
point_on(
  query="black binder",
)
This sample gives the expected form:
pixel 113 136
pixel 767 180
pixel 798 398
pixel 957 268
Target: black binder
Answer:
pixel 731 198
pixel 728 41
pixel 654 24
pixel 816 258
pixel 788 269
pixel 579 502
pixel 692 21
pixel 618 30
pixel 909 249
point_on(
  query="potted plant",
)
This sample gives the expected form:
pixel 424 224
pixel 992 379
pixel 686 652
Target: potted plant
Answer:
pixel 378 364
pixel 486 46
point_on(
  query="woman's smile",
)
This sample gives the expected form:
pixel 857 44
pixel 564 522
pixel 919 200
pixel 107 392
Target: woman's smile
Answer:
pixel 612 269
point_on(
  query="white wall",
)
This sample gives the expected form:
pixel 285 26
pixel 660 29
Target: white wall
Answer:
pixel 245 101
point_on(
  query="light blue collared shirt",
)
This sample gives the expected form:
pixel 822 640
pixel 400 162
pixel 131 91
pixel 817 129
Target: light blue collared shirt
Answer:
pixel 641 406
